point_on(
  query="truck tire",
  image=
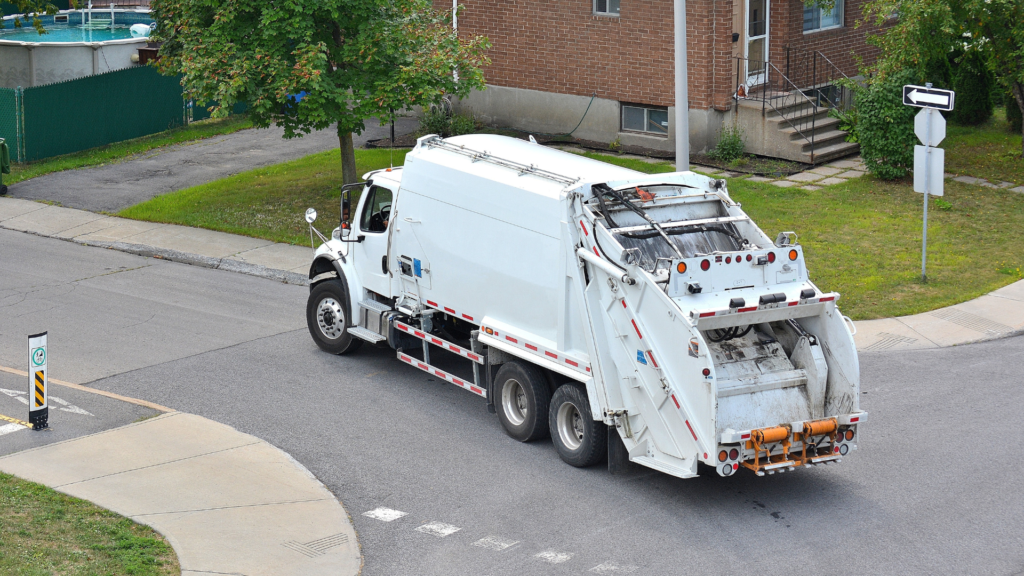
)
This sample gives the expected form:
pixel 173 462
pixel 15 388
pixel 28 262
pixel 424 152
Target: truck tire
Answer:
pixel 327 317
pixel 580 440
pixel 522 397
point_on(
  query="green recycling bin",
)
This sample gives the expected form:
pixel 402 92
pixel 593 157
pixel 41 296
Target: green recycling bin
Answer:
pixel 5 165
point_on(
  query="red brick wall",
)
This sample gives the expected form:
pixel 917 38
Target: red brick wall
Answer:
pixel 842 46
pixel 560 46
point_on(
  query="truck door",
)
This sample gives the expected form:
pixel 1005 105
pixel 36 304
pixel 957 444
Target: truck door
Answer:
pixel 371 255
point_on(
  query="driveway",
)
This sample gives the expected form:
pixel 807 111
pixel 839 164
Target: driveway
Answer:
pixel 113 187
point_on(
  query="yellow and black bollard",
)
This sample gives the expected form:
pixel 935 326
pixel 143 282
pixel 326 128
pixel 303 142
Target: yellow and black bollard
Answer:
pixel 38 408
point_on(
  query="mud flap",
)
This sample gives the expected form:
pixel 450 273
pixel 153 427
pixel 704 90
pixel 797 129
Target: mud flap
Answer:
pixel 618 456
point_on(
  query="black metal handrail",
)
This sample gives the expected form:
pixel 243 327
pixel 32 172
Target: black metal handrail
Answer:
pixel 777 92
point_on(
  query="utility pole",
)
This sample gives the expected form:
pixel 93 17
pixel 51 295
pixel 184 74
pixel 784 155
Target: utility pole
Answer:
pixel 682 91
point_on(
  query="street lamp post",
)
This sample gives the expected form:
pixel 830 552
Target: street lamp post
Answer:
pixel 682 93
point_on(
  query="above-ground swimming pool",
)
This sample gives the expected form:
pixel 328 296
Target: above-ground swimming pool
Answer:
pixel 69 50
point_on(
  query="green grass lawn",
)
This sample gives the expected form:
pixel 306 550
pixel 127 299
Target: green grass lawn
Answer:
pixel 862 238
pixel 988 151
pixel 267 202
pixel 121 150
pixel 45 532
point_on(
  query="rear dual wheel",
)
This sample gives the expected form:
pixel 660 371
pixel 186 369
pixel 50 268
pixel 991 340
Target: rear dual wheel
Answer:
pixel 522 395
pixel 580 440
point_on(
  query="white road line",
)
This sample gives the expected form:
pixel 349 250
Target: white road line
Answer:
pixel 384 514
pixel 495 543
pixel 439 529
pixel 611 568
pixel 554 557
pixel 8 428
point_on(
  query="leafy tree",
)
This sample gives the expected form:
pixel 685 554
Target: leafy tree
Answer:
pixel 309 64
pixel 885 127
pixel 917 31
pixel 972 82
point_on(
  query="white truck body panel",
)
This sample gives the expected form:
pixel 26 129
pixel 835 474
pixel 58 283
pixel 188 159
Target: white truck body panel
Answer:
pixel 511 237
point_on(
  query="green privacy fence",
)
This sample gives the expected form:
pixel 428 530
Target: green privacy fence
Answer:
pixel 76 115
pixel 10 120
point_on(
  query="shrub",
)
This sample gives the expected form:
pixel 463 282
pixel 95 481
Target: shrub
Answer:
pixel 1013 115
pixel 730 146
pixel 972 82
pixel 437 121
pixel 885 127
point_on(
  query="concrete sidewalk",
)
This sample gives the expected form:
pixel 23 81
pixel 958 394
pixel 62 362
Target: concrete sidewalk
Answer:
pixel 994 315
pixel 228 502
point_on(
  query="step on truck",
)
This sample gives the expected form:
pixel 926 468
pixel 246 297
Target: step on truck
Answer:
pixel 619 313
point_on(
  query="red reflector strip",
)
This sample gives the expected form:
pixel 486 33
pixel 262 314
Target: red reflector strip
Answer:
pixel 588 368
pixel 532 347
pixel 623 302
pixel 553 355
pixel 637 329
pixel 511 339
pixel 828 299
pixel 449 310
pixel 676 401
pixel 467 317
pixel 457 381
pixel 745 436
pixel 439 373
pixel 434 304
pixel 439 342
pixel 403 327
pixel 595 252
pixel 476 390
pixel 706 314
pixel 423 366
pixel 584 226
pixel 447 377
pixel 436 341
pixel 857 419
pixel 577 365
pixel 751 309
pixel 651 355
pixel 474 358
pixel 420 334
pixel 793 303
pixel 694 434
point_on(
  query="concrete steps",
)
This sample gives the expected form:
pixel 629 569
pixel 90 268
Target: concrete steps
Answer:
pixel 784 126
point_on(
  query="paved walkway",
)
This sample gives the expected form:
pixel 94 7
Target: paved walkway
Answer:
pixel 995 315
pixel 113 187
pixel 228 502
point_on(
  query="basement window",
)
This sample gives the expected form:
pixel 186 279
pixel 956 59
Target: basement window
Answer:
pixel 606 7
pixel 817 18
pixel 647 119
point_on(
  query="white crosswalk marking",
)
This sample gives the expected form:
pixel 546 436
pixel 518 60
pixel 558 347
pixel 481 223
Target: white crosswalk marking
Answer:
pixel 495 543
pixel 384 514
pixel 611 568
pixel 439 529
pixel 8 428
pixel 554 557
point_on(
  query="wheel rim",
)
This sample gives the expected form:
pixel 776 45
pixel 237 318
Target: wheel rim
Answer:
pixel 570 426
pixel 330 318
pixel 514 402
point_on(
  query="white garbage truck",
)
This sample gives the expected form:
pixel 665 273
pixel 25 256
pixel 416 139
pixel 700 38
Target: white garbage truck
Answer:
pixel 622 314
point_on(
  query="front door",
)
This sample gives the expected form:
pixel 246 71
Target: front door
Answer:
pixel 756 47
pixel 371 255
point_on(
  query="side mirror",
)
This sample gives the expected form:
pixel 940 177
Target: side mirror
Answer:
pixel 310 215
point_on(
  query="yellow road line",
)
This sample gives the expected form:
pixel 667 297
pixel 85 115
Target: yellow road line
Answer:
pixel 15 420
pixel 135 401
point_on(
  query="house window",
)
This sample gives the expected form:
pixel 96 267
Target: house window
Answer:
pixel 818 18
pixel 606 7
pixel 651 120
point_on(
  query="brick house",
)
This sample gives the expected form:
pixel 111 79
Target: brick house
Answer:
pixel 549 58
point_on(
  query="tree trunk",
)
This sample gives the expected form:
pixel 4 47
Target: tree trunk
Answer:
pixel 348 157
pixel 1018 95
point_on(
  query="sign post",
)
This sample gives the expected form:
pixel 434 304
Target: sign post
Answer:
pixel 929 161
pixel 38 407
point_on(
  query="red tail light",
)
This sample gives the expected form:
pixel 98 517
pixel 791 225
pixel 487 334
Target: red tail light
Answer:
pixel 771 257
pixel 705 265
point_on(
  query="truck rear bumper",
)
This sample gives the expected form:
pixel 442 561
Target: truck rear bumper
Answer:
pixel 789 446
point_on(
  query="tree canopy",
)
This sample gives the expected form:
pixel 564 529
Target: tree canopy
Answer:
pixel 29 10
pixel 917 32
pixel 310 64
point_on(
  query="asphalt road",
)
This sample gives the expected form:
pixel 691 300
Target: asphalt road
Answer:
pixel 113 187
pixel 934 489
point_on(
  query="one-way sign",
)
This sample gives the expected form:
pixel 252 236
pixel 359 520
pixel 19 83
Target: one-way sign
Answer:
pixel 924 97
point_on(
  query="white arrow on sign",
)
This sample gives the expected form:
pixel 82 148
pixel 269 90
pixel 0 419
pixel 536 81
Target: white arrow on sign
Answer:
pixel 938 99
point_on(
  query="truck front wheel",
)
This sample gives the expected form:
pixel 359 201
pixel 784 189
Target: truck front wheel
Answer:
pixel 522 397
pixel 327 317
pixel 580 440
